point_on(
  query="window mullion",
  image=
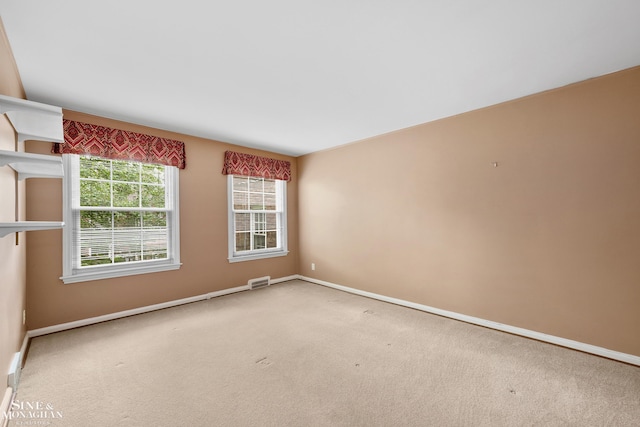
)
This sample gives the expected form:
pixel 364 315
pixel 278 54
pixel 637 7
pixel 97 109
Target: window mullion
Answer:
pixel 142 235
pixel 111 182
pixel 141 226
pixel 112 244
pixel 252 230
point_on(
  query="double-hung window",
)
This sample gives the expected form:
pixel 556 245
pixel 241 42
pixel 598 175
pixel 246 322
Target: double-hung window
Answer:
pixel 257 218
pixel 121 218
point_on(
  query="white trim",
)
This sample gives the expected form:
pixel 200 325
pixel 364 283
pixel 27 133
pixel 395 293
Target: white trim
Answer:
pixel 254 256
pixel 15 370
pixel 13 377
pixel 132 312
pixel 10 393
pixel 71 187
pixel 174 232
pixel 259 253
pixel 23 348
pixel 68 188
pixel 131 270
pixel 7 399
pixel 563 342
pixel 285 279
pixel 145 309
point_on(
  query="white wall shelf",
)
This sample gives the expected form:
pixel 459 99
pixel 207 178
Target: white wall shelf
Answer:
pixel 14 227
pixel 33 120
pixel 30 165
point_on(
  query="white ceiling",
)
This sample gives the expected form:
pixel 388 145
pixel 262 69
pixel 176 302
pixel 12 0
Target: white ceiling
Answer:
pixel 298 76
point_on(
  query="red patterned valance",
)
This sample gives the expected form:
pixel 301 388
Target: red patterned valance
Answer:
pixel 250 165
pixel 84 138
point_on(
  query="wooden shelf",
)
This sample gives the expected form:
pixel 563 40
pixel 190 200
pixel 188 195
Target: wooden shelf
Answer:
pixel 30 165
pixel 14 227
pixel 33 120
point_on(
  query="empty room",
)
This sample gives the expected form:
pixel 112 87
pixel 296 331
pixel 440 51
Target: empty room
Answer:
pixel 320 213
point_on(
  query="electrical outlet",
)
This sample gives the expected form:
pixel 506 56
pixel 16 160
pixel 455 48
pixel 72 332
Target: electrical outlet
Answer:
pixel 313 265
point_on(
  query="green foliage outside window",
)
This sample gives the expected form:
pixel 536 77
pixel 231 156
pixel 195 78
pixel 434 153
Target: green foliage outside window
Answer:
pixel 112 234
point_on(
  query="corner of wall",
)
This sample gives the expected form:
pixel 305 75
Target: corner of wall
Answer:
pixel 12 255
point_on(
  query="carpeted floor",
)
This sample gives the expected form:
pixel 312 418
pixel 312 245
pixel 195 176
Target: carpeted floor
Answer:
pixel 299 354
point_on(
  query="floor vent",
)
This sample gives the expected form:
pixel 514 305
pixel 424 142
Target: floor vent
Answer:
pixel 260 282
pixel 14 372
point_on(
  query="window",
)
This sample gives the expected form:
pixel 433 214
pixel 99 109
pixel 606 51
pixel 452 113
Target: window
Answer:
pixel 121 218
pixel 257 218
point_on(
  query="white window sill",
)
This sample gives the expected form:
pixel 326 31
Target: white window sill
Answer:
pixel 255 256
pixel 85 276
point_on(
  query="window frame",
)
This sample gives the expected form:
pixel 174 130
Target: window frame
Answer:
pixel 76 274
pixel 281 189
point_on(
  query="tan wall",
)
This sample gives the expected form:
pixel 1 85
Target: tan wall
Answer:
pixel 548 241
pixel 203 235
pixel 12 256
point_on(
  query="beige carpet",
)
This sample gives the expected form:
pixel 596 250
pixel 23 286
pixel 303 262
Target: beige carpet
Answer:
pixel 298 354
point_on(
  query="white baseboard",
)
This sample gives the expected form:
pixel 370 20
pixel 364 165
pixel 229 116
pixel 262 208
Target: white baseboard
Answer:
pixel 13 378
pixel 575 345
pixel 132 312
pixel 285 279
pixel 146 309
pixel 23 348
pixel 15 370
pixel 5 406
